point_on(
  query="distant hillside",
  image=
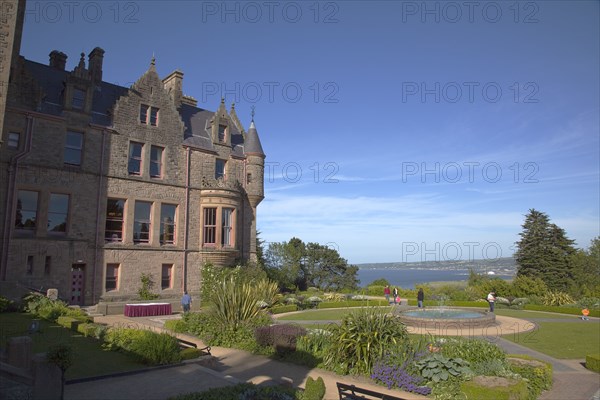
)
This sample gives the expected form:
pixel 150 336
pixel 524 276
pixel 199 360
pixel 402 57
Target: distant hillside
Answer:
pixel 505 264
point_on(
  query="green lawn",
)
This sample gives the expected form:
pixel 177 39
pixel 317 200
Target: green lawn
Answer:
pixel 532 314
pixel 332 314
pixel 569 340
pixel 90 358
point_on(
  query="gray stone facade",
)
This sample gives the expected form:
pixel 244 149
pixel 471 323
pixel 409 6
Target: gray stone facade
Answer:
pixel 90 189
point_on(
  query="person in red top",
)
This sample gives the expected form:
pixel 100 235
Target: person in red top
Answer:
pixel 387 292
pixel 585 313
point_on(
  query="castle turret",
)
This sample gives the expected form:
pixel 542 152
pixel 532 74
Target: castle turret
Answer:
pixel 255 168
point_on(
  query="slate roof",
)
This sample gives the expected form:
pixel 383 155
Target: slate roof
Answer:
pixel 195 119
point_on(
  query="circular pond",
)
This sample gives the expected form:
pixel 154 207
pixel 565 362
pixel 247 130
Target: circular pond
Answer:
pixel 446 318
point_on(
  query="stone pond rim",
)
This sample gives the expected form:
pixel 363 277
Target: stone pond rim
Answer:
pixel 452 318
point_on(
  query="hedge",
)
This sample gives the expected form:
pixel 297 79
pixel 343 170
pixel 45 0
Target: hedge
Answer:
pixel 537 372
pixel 176 325
pixel 284 309
pixel 592 362
pixel 352 303
pixel 68 322
pixel 560 310
pixel 515 390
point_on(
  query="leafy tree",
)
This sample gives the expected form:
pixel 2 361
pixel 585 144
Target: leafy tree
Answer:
pixel 586 270
pixel 544 252
pixel 379 282
pixel 296 265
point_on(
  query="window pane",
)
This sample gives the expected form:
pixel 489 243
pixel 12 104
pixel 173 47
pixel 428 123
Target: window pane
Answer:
pixel 156 161
pixel 135 158
pixel 210 228
pixel 78 99
pixel 220 169
pixel 144 114
pixel 58 211
pixel 227 227
pixel 167 223
pixel 73 146
pixel 114 220
pixel 141 225
pixel 153 116
pixel 13 140
pixel 26 209
pixel 166 278
pixel 222 129
pixel 112 277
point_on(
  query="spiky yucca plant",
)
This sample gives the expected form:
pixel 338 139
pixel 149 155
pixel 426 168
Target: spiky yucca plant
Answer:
pixel 362 338
pixel 237 301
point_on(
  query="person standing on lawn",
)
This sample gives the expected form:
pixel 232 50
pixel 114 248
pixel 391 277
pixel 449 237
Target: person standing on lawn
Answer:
pixel 386 293
pixel 420 298
pixel 395 292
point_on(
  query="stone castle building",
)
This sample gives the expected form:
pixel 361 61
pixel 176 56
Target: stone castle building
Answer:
pixel 101 183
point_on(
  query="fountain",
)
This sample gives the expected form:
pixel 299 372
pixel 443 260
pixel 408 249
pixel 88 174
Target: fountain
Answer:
pixel 444 317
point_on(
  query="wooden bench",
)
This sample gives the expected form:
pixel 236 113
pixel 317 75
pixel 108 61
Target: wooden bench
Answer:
pixel 351 392
pixel 185 344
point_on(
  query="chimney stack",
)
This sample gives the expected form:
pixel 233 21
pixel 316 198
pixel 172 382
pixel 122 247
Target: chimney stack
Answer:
pixel 58 59
pixel 174 86
pixel 95 59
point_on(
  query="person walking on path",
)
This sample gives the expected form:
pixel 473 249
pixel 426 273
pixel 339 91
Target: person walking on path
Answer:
pixel 395 295
pixel 420 298
pixel 186 301
pixel 491 298
pixel 386 293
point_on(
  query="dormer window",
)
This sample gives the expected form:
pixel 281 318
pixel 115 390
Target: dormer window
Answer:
pixel 220 169
pixel 148 115
pixel 78 100
pixel 222 133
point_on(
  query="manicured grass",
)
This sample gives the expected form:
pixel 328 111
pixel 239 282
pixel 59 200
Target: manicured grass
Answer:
pixel 90 358
pixel 569 340
pixel 334 314
pixel 532 314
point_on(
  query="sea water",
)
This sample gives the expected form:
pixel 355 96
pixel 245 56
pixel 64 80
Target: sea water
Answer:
pixel 407 278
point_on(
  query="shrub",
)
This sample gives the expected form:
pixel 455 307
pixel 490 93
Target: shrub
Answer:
pixel 314 389
pixel 150 347
pixel 284 309
pixel 236 302
pixel 438 368
pixel 392 374
pixel 315 342
pixel 5 304
pixel 68 322
pixel 352 303
pixel 538 373
pixel 282 337
pixel 117 339
pixel 87 330
pixel 245 391
pixel 362 337
pixel 554 298
pixel 190 353
pixel 145 291
pixel 472 350
pixel 592 362
pixel 176 325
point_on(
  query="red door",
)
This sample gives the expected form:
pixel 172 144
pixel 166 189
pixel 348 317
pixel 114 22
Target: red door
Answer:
pixel 77 283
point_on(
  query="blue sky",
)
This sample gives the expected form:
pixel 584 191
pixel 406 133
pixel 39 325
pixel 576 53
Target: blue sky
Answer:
pixel 394 131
